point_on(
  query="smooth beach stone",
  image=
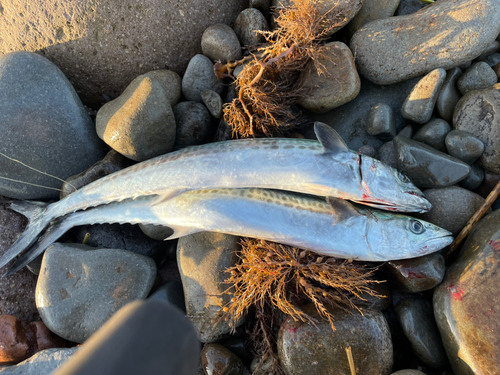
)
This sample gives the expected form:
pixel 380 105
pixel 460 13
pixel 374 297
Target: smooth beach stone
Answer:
pixel 44 362
pixel 157 232
pixel 17 291
pixel 464 146
pixel 338 12
pixel 112 162
pixel 479 76
pixel 367 150
pixel 172 293
pixel 372 10
pixel 218 360
pixel 213 102
pixel 202 259
pixel 493 59
pixel 396 49
pixel 338 83
pixel 466 304
pixel 381 121
pixel 247 23
pixel 305 349
pixel 43 125
pixel 433 134
pixel 219 42
pixel 409 6
pixel 194 124
pixel 139 124
pixel 407 131
pixel 449 94
pixel 387 155
pixel 478 113
pixel 491 49
pixel 79 290
pixel 474 179
pixel 419 105
pixel 427 167
pixel 349 120
pixel 418 274
pixel 417 320
pixel 171 83
pixel 200 75
pixel 452 207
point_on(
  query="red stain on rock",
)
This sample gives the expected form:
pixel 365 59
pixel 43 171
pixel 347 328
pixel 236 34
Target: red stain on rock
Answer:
pixel 456 292
pixel 495 244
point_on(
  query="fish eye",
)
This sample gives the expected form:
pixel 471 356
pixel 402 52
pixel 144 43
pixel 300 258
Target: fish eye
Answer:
pixel 402 178
pixel 417 227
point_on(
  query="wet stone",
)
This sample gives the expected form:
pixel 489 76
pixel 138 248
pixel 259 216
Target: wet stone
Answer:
pixel 213 102
pixel 194 124
pixel 396 49
pixel 452 207
pixel 339 86
pixel 219 42
pixel 42 363
pixel 387 155
pixel 112 162
pixel 474 179
pixel 466 304
pixel 478 113
pixel 200 75
pixel 479 76
pixel 202 259
pixel 464 146
pixel 417 320
pixel 449 95
pixel 425 166
pixel 139 124
pixel 304 349
pixel 419 105
pixel 380 121
pixel 370 11
pixel 418 274
pixel 218 360
pixel 79 290
pixel 246 25
pixel 433 134
pixel 172 293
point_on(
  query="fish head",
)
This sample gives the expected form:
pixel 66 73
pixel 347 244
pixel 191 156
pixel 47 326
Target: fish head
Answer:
pixel 388 189
pixel 393 236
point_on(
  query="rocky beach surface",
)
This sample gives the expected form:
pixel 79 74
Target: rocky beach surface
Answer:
pixel 88 89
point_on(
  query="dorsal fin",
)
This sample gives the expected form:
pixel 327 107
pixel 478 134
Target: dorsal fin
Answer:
pixel 329 138
pixel 342 209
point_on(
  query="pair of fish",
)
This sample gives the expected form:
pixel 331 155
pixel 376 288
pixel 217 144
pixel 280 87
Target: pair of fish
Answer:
pixel 324 168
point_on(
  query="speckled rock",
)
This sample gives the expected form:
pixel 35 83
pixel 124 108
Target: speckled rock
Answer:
pixel 396 49
pixel 193 124
pixel 219 42
pixel 479 76
pixel 462 145
pixel 427 167
pixel 372 10
pixel 381 121
pixel 417 320
pixel 216 359
pixel 43 124
pixel 42 363
pixel 474 179
pixel 451 208
pixel 17 292
pixel 200 75
pixel 304 349
pixel 79 290
pixel 213 102
pixel 417 274
pixel 449 95
pixel 478 113
pixel 466 304
pixel 419 105
pixel 339 83
pixel 202 259
pixel 433 134
pixel 246 25
pixel 112 162
pixel 139 124
pixel 102 46
pixel 344 11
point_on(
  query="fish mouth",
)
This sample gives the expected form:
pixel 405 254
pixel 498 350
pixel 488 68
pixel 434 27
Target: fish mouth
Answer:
pixel 437 243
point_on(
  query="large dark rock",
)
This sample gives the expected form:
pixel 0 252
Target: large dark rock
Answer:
pixel 44 125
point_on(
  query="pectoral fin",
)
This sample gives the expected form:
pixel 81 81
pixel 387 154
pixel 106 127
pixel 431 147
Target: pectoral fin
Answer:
pixel 342 209
pixel 329 138
pixel 168 195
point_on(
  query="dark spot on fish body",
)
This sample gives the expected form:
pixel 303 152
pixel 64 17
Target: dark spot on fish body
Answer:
pixel 269 200
pixel 250 196
pixel 274 147
pixel 302 147
pixel 287 147
pixel 242 193
pixel 234 192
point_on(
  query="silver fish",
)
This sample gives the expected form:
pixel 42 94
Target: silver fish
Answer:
pixel 336 228
pixel 325 168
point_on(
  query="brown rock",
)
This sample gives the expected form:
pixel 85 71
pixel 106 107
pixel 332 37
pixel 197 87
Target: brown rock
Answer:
pixel 496 69
pixel 102 46
pixel 221 361
pixel 46 339
pixel 14 345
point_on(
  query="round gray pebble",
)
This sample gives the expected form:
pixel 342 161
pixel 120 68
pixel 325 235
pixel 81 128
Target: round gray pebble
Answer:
pixel 381 121
pixel 464 146
pixel 219 42
pixel 194 124
pixel 200 75
pixel 479 76
pixel 449 95
pixel 433 133
pixel 474 178
pixel 246 25
pixel 213 102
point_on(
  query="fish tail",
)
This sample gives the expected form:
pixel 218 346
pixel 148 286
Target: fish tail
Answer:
pixel 39 216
